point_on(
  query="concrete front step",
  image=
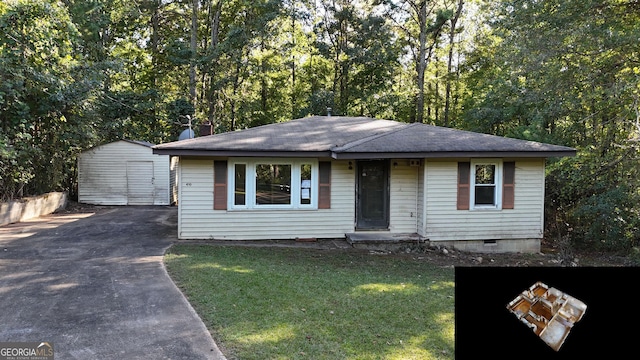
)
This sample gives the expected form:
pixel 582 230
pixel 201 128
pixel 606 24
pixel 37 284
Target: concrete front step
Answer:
pixel 383 237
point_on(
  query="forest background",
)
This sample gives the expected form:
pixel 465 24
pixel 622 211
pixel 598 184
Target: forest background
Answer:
pixel 78 73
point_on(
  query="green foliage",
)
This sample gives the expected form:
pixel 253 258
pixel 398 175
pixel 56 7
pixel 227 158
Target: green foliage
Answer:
pixel 594 201
pixel 566 72
pixel 75 74
pixel 634 255
pixel 607 221
pixel 320 103
pixel 363 52
pixel 44 88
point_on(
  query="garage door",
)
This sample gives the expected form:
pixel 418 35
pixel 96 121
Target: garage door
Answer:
pixel 140 182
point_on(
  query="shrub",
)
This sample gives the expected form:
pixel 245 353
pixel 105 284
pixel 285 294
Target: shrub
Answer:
pixel 605 221
pixel 593 201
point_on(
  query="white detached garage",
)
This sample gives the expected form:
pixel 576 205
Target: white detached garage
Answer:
pixel 124 172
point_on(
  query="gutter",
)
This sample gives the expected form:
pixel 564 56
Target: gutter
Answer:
pixel 451 154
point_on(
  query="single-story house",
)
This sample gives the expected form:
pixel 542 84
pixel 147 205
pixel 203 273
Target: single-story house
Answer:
pixel 358 177
pixel 125 172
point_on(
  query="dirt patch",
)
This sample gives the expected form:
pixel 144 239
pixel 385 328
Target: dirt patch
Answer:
pixel 549 256
pixel 74 207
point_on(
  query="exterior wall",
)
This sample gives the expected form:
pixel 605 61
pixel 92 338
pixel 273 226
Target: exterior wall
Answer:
pixel 404 195
pixel 500 246
pixel 198 220
pixel 102 174
pixel 445 223
pixel 421 210
pixel 422 200
pixel 173 179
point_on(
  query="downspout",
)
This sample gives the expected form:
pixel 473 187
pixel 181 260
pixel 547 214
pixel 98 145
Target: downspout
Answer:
pixel 424 201
pixel 417 200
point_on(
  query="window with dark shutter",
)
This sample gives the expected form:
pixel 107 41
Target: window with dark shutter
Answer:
pixel 464 169
pixel 508 185
pixel 219 185
pixel 324 188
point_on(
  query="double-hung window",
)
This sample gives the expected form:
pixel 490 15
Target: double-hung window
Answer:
pixel 273 184
pixel 486 185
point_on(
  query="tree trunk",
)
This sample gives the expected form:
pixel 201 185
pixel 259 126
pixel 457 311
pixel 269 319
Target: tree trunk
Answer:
pixel 155 38
pixel 264 87
pixel 155 25
pixel 215 12
pixel 194 52
pixel 421 63
pixel 452 33
pixel 234 95
pixel 294 98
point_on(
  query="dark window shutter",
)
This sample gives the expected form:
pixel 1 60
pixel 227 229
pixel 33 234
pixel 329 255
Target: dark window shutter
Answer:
pixel 508 184
pixel 324 185
pixel 464 169
pixel 219 185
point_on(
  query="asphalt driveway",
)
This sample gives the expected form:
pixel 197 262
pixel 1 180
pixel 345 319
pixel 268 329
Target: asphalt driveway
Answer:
pixel 94 285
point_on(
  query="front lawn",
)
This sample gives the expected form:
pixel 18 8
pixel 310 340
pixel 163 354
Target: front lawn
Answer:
pixel 283 303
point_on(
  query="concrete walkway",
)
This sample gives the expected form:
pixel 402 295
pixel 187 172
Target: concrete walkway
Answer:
pixel 94 285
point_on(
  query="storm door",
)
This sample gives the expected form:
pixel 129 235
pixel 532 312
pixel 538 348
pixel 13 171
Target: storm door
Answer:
pixel 372 195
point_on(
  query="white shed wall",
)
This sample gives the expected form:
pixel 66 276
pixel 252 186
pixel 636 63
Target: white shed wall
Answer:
pixel 443 222
pixel 102 174
pixel 198 220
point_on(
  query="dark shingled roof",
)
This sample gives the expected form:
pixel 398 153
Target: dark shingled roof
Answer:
pixel 358 138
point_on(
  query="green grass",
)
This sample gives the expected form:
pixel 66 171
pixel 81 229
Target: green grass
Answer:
pixel 282 303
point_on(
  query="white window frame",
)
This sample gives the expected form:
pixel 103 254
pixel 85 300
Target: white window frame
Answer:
pixel 250 185
pixel 498 184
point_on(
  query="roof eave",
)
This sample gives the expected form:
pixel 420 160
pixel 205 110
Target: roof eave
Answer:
pixel 451 154
pixel 239 153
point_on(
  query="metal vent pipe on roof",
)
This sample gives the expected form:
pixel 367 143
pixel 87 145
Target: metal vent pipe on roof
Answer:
pixel 328 111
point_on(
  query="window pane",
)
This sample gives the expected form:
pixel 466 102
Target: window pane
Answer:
pixel 485 195
pixel 305 184
pixel 273 184
pixel 240 184
pixel 485 174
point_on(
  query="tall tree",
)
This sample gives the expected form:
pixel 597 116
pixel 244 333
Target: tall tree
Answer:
pixel 195 12
pixel 363 53
pixel 420 23
pixel 44 88
pixel 567 72
pixel 453 28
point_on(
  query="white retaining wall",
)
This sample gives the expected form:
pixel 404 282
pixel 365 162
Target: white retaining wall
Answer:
pixel 32 207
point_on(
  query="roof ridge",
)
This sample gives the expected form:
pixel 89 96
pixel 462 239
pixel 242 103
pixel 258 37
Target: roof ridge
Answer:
pixel 361 141
pixel 138 142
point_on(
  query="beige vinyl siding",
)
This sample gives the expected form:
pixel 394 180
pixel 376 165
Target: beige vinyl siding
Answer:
pixel 421 199
pixel 195 189
pixel 103 179
pixel 198 220
pixel 403 199
pixel 445 222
